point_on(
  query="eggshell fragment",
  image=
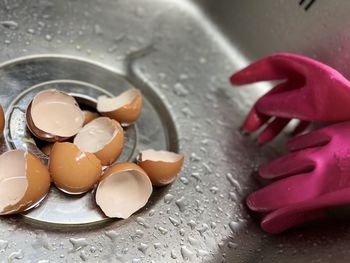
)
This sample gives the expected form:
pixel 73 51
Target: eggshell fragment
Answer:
pixel 54 116
pixel 89 116
pixel 103 137
pixel 125 108
pixel 73 171
pixel 24 181
pixel 162 167
pixel 123 189
pixel 2 120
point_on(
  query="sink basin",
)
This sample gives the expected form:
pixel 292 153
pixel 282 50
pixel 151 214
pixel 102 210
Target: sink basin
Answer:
pixel 180 54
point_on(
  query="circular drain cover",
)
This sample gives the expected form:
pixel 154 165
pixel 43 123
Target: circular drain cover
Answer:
pixel 20 80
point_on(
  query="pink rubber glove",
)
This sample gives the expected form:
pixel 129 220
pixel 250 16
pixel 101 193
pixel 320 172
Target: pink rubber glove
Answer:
pixel 316 175
pixel 312 91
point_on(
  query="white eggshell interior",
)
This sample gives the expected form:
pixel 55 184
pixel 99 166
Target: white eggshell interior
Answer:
pixel 13 179
pixel 106 104
pixel 159 156
pixel 122 194
pixel 56 113
pixel 95 135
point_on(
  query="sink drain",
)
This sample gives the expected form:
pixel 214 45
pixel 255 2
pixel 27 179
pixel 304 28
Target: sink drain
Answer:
pixel 21 80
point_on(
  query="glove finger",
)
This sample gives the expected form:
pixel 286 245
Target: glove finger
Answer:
pixel 274 67
pixel 277 224
pixel 254 120
pixel 300 127
pixel 272 130
pixel 290 164
pixel 312 139
pixel 283 193
pixel 285 218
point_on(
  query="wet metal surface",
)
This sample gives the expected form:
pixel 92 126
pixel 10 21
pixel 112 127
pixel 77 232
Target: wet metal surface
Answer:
pixel 180 54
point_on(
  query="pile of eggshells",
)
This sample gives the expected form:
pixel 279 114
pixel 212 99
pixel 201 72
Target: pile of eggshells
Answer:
pixel 83 147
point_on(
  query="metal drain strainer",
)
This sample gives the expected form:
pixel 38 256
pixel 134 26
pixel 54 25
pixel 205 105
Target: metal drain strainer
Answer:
pixel 22 79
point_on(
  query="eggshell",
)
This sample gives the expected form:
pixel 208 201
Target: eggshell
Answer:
pixel 2 120
pixel 46 149
pixel 54 116
pixel 125 108
pixel 123 189
pixel 73 171
pixel 24 181
pixel 89 116
pixel 162 167
pixel 103 137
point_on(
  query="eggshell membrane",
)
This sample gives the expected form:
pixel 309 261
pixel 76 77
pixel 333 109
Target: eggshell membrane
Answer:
pixel 2 120
pixel 162 167
pixel 109 145
pixel 123 190
pixel 89 116
pixel 31 181
pixel 54 116
pixel 73 171
pixel 125 108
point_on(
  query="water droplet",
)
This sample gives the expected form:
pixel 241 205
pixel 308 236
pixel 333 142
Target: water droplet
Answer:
pixel 163 230
pixel 196 175
pixel 195 158
pixel 157 245
pixel 203 229
pixel 168 198
pixel 78 243
pixel 184 180
pixel 152 212
pixel 12 25
pixel 199 189
pixel 78 47
pixel 236 226
pixel 142 222
pixel 139 234
pixel 202 60
pixel 186 253
pixel 181 204
pixel 3 245
pixel 98 30
pixel 180 90
pixel 15 255
pixel 174 221
pixel 233 196
pixel 112 234
pixel 143 247
pixel 182 232
pixel 84 255
pixel 193 241
pixel 232 245
pixel 173 254
pixel 213 225
pixel 233 181
pixel 48 37
pixel 7 41
pixel 31 31
pixel 192 224
pixel 41 240
pixel 214 189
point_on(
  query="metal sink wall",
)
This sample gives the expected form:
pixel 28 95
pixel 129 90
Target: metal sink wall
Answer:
pixel 181 54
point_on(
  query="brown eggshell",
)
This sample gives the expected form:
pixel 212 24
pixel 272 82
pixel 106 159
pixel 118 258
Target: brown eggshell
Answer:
pixel 38 184
pixel 2 120
pixel 162 170
pixel 110 151
pixel 126 114
pixel 50 136
pixel 89 116
pixel 46 149
pixel 73 171
pixel 124 188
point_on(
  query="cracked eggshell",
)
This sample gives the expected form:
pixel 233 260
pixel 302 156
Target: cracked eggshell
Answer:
pixel 124 189
pixel 73 171
pixel 103 137
pixel 125 108
pixel 162 167
pixel 53 116
pixel 89 116
pixel 24 181
pixel 2 120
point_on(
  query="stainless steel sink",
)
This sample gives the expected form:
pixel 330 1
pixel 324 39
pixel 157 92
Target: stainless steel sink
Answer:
pixel 180 54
